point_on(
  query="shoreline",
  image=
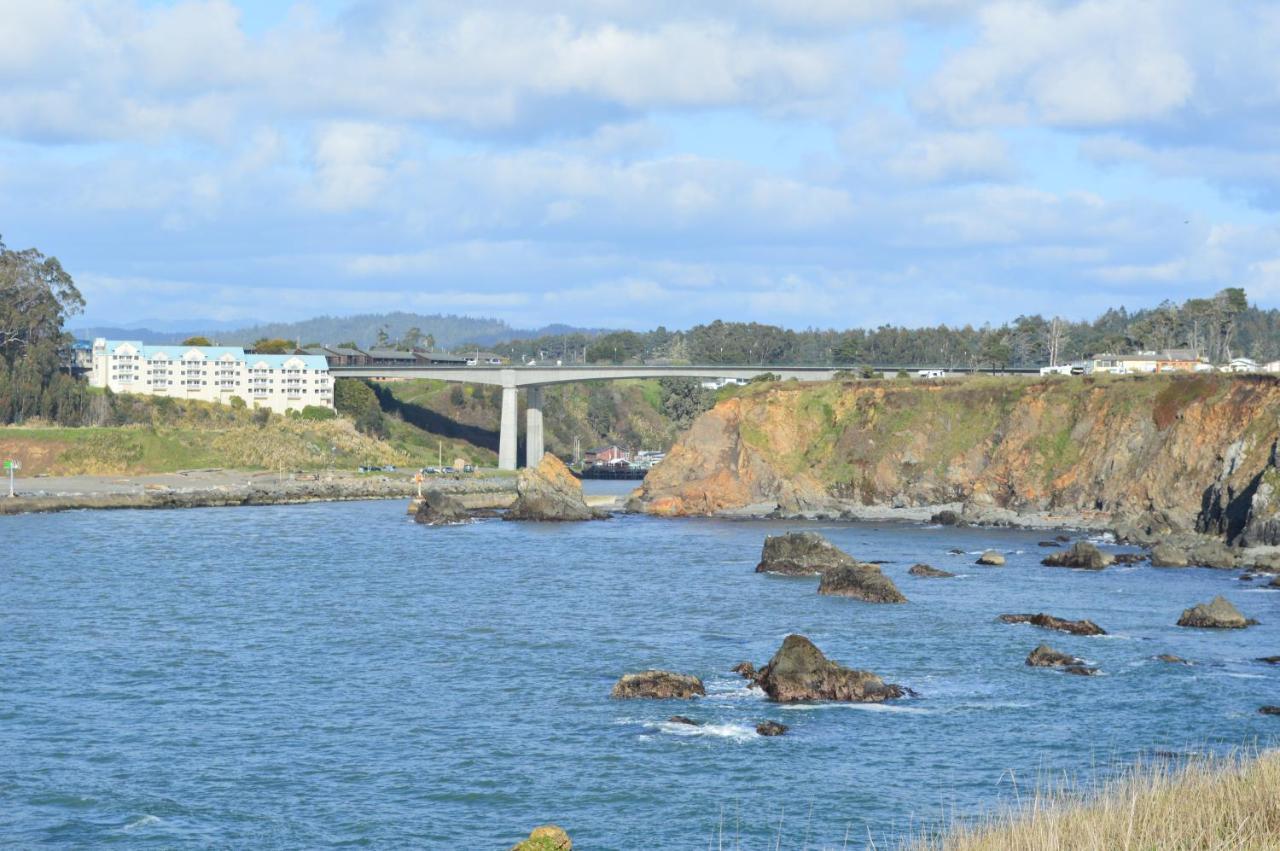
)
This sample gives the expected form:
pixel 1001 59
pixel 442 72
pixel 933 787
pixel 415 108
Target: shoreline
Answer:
pixel 226 488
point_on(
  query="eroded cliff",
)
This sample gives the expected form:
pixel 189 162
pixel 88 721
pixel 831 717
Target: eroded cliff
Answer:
pixel 1187 451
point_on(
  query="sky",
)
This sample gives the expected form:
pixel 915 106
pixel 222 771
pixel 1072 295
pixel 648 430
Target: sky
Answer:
pixel 807 163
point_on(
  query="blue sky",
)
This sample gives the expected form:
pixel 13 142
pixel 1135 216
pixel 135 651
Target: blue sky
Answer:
pixel 806 163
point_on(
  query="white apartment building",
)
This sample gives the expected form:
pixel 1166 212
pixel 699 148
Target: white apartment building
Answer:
pixel 212 374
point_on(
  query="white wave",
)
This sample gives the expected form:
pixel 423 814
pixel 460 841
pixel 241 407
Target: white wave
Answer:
pixel 994 704
pixel 866 707
pixel 736 692
pixel 1245 676
pixel 142 822
pixel 1119 636
pixel 733 732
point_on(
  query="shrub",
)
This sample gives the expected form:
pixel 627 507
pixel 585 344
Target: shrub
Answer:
pixel 238 403
pixel 261 416
pixel 317 412
pixel 457 396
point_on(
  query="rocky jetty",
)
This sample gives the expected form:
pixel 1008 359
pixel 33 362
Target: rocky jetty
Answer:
pixel 1082 555
pixel 1218 613
pixel 799 671
pixel 548 837
pixel 657 685
pixel 437 508
pixel 771 728
pixel 1045 656
pixel 862 582
pixel 550 492
pixel 991 558
pixel 1044 621
pixel 801 554
pixel 927 570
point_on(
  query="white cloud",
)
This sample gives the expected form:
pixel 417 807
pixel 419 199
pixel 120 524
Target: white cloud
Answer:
pixel 353 162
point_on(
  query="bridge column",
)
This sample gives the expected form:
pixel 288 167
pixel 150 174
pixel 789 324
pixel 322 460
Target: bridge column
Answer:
pixel 533 442
pixel 509 433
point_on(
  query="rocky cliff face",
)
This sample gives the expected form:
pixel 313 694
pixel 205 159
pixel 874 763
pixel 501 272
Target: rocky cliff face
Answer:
pixel 1184 452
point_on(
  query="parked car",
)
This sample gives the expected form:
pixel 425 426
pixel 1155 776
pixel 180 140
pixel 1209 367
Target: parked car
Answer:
pixel 449 470
pixel 430 471
pixel 469 468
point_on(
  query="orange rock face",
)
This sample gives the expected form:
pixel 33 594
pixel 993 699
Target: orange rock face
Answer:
pixel 1159 445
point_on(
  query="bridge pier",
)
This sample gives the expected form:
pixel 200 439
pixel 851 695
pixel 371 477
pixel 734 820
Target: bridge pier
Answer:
pixel 508 434
pixel 533 441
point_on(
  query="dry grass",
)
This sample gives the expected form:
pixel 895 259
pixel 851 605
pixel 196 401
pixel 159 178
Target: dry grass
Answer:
pixel 1208 804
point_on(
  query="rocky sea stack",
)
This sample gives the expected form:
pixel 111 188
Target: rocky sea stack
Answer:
pixel 862 582
pixel 801 554
pixel 550 492
pixel 437 508
pixel 1045 656
pixel 657 685
pixel 1218 613
pixel 1044 621
pixel 799 671
pixel 1082 555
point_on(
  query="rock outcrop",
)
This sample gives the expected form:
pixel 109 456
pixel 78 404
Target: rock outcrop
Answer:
pixel 771 728
pixel 1044 621
pixel 1216 614
pixel 549 492
pixel 927 570
pixel 658 685
pixel 1045 656
pixel 860 581
pixel 991 558
pixel 799 671
pixel 1160 453
pixel 1171 659
pixel 745 670
pixel 801 554
pixel 1082 555
pixel 548 837
pixel 437 508
pixel 1269 710
pixel 1167 555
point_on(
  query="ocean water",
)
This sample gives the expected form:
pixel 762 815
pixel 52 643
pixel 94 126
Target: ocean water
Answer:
pixel 333 675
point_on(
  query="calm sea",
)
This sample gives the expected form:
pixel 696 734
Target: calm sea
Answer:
pixel 331 675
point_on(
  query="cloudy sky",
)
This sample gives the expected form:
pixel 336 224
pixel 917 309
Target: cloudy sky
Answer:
pixel 610 163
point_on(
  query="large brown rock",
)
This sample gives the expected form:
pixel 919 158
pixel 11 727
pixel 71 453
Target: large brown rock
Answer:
pixel 1045 656
pixel 861 582
pixel 1082 555
pixel 1167 555
pixel 991 558
pixel 658 685
pixel 799 671
pixel 549 492
pixel 1044 621
pixel 1218 613
pixel 801 554
pixel 437 508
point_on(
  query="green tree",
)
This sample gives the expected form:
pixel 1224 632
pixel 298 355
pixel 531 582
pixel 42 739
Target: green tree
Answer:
pixel 457 396
pixel 683 399
pixel 356 400
pixel 275 346
pixel 197 341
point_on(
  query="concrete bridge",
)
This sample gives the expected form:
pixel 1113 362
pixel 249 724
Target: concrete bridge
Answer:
pixel 534 378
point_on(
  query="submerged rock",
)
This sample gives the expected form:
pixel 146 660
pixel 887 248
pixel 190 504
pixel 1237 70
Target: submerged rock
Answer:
pixel 861 582
pixel 1269 660
pixel 1171 659
pixel 799 671
pixel 991 558
pixel 1082 555
pixel 657 685
pixel 801 554
pixel 1269 710
pixel 1216 614
pixel 682 719
pixel 549 837
pixel 1167 555
pixel 1129 558
pixel 926 570
pixel 771 728
pixel 1045 656
pixel 437 508
pixel 1062 538
pixel 550 492
pixel 1048 544
pixel 1045 621
pixel 745 670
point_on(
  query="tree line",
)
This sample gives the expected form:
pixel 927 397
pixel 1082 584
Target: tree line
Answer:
pixel 1219 328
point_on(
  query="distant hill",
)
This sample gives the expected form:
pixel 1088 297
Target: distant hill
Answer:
pixel 447 330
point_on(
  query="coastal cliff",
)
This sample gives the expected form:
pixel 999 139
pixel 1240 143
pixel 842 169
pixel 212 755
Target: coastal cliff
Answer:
pixel 1178 451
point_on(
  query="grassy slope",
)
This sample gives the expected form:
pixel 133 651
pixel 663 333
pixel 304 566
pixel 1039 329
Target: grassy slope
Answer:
pixel 1211 805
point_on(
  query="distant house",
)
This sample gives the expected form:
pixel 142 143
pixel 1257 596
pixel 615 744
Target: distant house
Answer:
pixel 479 358
pixel 439 358
pixel 1243 365
pixel 392 357
pixel 605 455
pixel 1169 360
pixel 340 356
